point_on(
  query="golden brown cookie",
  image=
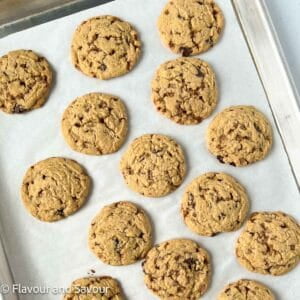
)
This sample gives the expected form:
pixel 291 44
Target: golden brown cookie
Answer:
pixel 25 81
pixel 246 290
pixel 94 288
pixel 177 269
pixel 190 27
pixel 54 188
pixel 214 203
pixel 153 165
pixel 105 47
pixel 269 244
pixel 120 234
pixel 95 123
pixel 184 90
pixel 239 135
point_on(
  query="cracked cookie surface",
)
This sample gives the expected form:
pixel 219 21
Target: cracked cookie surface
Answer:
pixel 153 165
pixel 54 188
pixel 177 269
pixel 185 90
pixel 94 288
pixel 105 47
pixel 269 244
pixel 25 81
pixel 239 135
pixel 95 124
pixel 246 290
pixel 120 234
pixel 214 203
pixel 190 27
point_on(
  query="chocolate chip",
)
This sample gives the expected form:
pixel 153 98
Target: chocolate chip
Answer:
pixel 221 216
pixel 257 128
pixel 18 109
pixel 171 44
pixel 232 164
pixel 199 73
pixel 60 212
pixel 192 263
pixel 220 159
pixel 117 244
pixel 102 67
pixel 185 51
pixel 210 41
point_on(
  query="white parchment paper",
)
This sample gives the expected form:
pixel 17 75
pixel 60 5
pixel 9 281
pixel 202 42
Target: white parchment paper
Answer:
pixel 52 255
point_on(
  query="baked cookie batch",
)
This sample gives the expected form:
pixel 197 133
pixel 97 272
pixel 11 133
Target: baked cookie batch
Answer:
pixel 154 165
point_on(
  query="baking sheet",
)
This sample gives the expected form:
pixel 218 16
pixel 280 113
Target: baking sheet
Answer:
pixel 52 255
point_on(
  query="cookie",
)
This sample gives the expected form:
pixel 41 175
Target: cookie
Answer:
pixel 95 124
pixel 239 135
pixel 96 288
pixel 246 290
pixel 120 234
pixel 105 47
pixel 214 203
pixel 184 90
pixel 190 27
pixel 153 165
pixel 177 269
pixel 269 244
pixel 25 81
pixel 54 188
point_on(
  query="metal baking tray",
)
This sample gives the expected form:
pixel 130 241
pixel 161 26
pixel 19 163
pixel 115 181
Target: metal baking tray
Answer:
pixel 16 15
pixel 264 47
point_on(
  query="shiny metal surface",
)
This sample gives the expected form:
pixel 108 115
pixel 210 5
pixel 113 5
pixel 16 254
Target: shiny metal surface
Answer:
pixel 274 73
pixel 16 15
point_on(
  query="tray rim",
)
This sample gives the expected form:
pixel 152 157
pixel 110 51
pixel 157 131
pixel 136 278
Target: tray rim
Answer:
pixel 287 120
